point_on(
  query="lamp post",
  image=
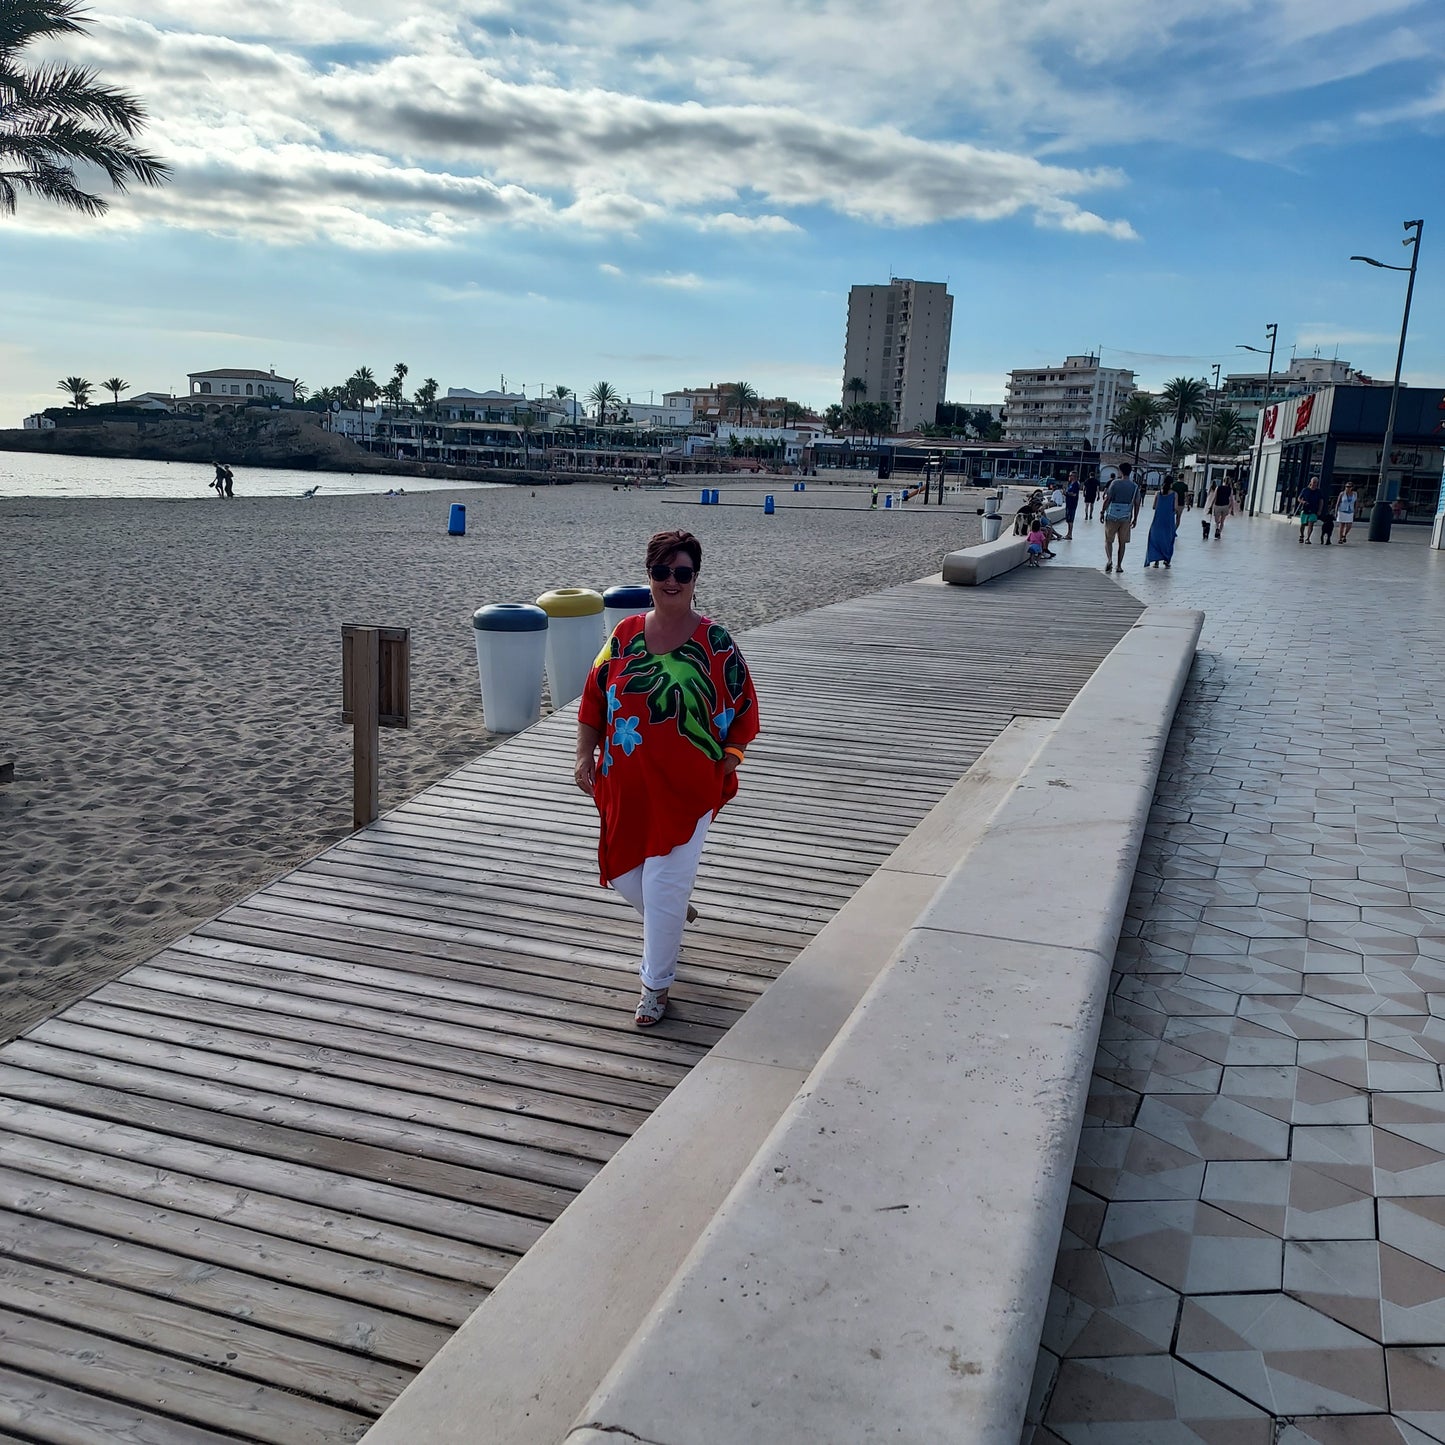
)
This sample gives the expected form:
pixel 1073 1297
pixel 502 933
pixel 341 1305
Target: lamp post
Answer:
pixel 1380 513
pixel 1208 437
pixel 1272 331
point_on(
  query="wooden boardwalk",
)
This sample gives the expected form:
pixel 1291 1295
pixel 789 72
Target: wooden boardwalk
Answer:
pixel 249 1188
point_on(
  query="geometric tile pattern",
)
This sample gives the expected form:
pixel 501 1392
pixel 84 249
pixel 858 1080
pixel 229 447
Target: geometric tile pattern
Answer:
pixel 1255 1242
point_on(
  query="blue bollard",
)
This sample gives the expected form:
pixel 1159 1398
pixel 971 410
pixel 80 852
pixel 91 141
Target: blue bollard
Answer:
pixel 888 500
pixel 716 497
pixel 457 522
pixel 802 486
pixel 705 496
pixel 768 506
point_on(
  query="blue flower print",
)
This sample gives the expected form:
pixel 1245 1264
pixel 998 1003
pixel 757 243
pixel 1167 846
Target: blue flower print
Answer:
pixel 625 735
pixel 612 704
pixel 606 760
pixel 723 721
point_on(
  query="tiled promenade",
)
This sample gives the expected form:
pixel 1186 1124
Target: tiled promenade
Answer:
pixel 1256 1247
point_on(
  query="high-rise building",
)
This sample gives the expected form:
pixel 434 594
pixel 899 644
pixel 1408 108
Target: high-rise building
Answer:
pixel 1064 405
pixel 897 347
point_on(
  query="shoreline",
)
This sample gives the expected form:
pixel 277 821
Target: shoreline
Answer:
pixel 175 678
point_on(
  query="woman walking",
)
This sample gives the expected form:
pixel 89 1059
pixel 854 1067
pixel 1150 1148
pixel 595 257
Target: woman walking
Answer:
pixel 671 705
pixel 1071 504
pixel 1222 498
pixel 1163 529
pixel 1345 509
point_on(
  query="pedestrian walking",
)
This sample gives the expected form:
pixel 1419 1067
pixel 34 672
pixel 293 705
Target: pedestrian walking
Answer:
pixel 1222 508
pixel 1163 529
pixel 670 707
pixel 1345 509
pixel 228 481
pixel 1309 511
pixel 1091 493
pixel 1119 499
pixel 1071 504
pixel 1142 486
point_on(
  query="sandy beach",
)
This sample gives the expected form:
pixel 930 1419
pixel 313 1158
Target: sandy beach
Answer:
pixel 171 674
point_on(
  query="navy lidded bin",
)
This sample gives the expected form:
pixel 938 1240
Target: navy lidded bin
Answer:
pixel 457 522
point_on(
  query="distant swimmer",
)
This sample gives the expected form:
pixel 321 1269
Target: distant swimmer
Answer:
pixel 312 491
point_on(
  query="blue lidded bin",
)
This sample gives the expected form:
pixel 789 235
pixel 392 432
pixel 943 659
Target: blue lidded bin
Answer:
pixel 511 639
pixel 457 522
pixel 623 601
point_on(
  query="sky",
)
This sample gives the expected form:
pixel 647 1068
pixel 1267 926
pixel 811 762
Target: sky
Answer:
pixel 667 193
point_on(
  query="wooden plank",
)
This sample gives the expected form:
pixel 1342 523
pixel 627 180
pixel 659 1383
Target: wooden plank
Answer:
pixel 57 1415
pixel 212 1398
pixel 405 1312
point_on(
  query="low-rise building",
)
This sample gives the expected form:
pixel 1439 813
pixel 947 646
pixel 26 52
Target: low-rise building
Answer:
pixel 228 389
pixel 1067 404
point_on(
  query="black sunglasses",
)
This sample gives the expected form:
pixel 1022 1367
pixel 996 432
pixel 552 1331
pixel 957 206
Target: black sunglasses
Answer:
pixel 661 572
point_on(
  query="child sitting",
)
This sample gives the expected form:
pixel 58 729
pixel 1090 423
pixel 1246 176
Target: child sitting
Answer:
pixel 1037 538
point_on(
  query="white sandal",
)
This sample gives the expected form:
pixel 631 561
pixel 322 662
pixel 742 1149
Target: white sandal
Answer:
pixel 651 1007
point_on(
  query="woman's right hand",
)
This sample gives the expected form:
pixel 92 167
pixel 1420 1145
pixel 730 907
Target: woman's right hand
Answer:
pixel 586 773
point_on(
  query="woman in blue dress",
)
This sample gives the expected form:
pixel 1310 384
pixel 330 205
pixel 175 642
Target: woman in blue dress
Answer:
pixel 1164 527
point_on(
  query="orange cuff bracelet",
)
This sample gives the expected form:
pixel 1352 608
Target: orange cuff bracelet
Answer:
pixel 737 753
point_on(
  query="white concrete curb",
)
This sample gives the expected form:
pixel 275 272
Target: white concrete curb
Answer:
pixel 970 566
pixel 523 1366
pixel 882 1268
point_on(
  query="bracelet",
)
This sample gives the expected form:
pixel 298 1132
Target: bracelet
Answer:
pixel 737 753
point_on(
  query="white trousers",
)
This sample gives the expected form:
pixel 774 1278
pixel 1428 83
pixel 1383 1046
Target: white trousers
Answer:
pixel 659 891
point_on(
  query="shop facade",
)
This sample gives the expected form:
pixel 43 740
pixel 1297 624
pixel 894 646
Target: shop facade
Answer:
pixel 1335 436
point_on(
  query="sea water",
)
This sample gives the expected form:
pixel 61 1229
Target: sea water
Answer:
pixel 30 474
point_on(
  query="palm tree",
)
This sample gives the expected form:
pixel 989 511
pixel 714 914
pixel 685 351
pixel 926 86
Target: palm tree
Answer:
pixel 743 396
pixel 1175 450
pixel 1228 433
pixel 79 389
pixel 361 387
pixel 602 396
pixel 300 390
pixel 833 418
pixel 857 386
pixel 54 116
pixel 115 386
pixel 394 392
pixel 426 394
pixel 1136 421
pixel 1185 400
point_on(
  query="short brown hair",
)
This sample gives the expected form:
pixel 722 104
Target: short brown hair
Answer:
pixel 662 546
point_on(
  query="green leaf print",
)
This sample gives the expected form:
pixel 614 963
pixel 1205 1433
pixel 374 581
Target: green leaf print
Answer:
pixel 718 639
pixel 677 685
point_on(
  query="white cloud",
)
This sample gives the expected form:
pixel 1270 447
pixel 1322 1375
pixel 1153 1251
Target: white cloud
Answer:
pixel 677 280
pixel 608 269
pixel 1322 334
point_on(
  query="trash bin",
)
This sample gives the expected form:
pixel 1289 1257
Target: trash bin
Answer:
pixel 574 638
pixel 511 640
pixel 768 507
pixel 457 521
pixel 623 601
pixel 992 526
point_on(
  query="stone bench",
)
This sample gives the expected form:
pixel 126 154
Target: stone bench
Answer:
pixel 972 565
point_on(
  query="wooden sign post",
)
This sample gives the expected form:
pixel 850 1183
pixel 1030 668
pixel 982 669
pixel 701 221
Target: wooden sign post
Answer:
pixel 375 693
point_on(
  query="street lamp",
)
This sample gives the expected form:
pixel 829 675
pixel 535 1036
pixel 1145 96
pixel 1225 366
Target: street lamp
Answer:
pixel 1208 435
pixel 1272 331
pixel 1380 513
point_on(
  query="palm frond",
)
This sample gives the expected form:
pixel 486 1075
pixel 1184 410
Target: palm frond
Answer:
pixel 22 21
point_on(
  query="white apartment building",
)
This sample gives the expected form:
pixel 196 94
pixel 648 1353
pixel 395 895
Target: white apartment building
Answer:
pixel 240 384
pixel 897 345
pixel 1064 405
pixel 1245 390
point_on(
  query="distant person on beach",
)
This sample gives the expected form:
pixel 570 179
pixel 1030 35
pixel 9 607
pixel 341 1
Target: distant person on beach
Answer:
pixel 1163 528
pixel 1345 509
pixel 219 484
pixel 1119 498
pixel 228 481
pixel 1071 504
pixel 1309 511
pixel 671 706
pixel 1091 493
